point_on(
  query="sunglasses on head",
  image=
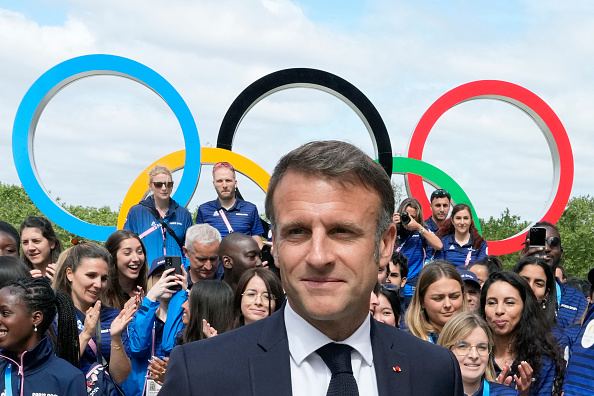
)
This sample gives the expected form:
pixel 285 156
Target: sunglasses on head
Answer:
pixel 161 184
pixel 223 165
pixel 440 193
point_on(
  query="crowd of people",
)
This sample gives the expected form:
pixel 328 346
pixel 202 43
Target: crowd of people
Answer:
pixel 68 315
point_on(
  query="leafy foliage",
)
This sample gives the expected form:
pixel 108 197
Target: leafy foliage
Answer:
pixel 15 206
pixel 503 227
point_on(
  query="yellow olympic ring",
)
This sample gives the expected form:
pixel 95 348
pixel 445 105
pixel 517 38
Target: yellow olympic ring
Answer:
pixel 175 161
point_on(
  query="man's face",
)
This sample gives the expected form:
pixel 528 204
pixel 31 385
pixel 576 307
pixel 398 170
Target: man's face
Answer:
pixel 244 255
pixel 552 254
pixel 324 243
pixel 204 260
pixel 395 276
pixel 440 208
pixel 224 182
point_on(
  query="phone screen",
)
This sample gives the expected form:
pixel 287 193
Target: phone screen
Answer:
pixel 537 236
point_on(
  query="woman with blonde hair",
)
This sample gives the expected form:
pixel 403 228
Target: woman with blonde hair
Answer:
pixel 469 337
pixel 439 296
pixel 158 220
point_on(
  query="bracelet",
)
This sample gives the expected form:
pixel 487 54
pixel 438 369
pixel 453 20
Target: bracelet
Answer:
pixel 117 347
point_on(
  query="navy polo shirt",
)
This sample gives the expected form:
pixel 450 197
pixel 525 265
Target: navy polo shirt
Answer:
pixel 430 224
pixel 572 305
pixel 579 377
pixel 243 217
pixel 457 254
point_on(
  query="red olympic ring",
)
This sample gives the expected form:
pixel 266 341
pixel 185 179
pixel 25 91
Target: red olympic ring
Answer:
pixel 538 110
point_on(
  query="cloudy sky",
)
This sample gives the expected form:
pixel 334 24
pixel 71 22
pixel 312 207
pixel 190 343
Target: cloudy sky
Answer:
pixel 98 134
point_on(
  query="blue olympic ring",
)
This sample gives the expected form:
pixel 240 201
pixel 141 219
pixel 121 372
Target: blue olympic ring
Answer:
pixel 48 85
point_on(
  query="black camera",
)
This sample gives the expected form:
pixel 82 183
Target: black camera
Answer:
pixel 404 218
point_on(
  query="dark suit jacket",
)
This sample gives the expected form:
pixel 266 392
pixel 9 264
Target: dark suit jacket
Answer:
pixel 254 360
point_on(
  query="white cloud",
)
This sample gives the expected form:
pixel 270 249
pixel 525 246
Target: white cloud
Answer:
pixel 99 133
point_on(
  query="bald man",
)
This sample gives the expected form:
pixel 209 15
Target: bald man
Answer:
pixel 238 252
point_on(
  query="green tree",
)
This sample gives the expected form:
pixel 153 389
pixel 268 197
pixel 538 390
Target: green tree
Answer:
pixel 576 227
pixel 503 227
pixel 15 206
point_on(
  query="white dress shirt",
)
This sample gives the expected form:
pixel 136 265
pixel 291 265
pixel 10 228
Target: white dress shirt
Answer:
pixel 309 374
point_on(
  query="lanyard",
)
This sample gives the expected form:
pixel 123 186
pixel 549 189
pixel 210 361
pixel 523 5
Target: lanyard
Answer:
pixel 7 379
pixel 486 390
pixel 558 288
pixel 229 228
pixel 468 257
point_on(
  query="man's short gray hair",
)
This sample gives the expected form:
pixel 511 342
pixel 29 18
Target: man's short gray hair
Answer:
pixel 204 234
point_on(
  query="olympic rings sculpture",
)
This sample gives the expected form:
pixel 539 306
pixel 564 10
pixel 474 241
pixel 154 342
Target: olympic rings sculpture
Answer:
pixel 415 170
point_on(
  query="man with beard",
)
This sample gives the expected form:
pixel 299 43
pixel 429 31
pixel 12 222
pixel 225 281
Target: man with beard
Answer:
pixel 229 213
pixel 440 206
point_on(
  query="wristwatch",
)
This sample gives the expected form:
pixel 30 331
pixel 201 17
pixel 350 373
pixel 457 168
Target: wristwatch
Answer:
pixel 422 231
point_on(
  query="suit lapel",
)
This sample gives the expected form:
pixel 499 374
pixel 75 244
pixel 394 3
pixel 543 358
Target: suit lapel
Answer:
pixel 392 367
pixel 270 371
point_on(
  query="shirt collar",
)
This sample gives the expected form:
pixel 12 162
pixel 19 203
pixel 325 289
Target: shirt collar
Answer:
pixel 234 207
pixel 304 339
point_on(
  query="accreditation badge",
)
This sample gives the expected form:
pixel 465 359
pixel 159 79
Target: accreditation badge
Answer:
pixel 152 388
pixel 588 337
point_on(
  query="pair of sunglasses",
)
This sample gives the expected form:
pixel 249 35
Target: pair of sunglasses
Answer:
pixel 161 184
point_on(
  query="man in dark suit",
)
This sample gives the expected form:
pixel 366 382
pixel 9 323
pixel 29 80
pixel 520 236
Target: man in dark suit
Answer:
pixel 330 206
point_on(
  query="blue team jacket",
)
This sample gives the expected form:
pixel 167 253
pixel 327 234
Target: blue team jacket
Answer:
pixel 140 335
pixel 140 221
pixel 579 377
pixel 44 373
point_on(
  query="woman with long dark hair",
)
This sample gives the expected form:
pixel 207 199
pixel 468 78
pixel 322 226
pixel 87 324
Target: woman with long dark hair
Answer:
pixel 462 243
pixel 128 268
pixel 83 276
pixel 525 347
pixel 259 293
pixel 41 246
pixel 208 310
pixel 33 365
pixel 541 280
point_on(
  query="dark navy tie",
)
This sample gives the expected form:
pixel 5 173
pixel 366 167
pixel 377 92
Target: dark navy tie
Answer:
pixel 338 359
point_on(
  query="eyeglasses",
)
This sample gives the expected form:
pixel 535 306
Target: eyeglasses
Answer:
pixel 463 348
pixel 440 193
pixel 252 296
pixel 553 242
pixel 161 184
